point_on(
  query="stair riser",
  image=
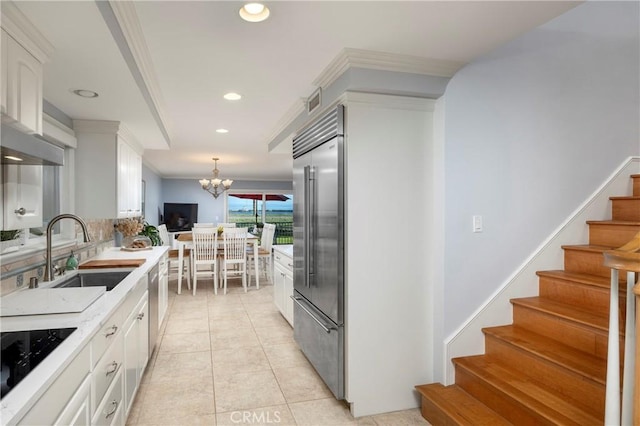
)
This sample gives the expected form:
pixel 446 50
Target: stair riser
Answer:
pixel 610 235
pixel 583 391
pixel 577 294
pixel 575 335
pixel 497 400
pixel 585 262
pixel 625 209
pixel 636 185
pixel 434 414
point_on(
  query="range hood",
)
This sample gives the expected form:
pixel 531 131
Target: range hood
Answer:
pixel 30 149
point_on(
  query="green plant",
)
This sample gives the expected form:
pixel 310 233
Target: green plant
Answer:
pixel 152 233
pixel 9 235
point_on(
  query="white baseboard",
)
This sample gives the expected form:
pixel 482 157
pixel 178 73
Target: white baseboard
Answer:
pixel 468 339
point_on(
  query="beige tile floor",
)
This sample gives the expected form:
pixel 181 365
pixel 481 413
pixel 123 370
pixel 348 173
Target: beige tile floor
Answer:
pixel 231 360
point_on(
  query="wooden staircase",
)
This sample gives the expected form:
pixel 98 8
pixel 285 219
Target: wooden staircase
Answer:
pixel 549 366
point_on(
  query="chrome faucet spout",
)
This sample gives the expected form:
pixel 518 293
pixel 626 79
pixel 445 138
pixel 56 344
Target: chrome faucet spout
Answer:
pixel 48 271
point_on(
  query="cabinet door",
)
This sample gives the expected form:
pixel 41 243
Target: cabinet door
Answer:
pixel 3 72
pixel 122 178
pixel 78 410
pixel 143 337
pixel 22 192
pixel 136 347
pixel 130 361
pixel 278 287
pixel 24 88
pixel 135 183
pixel 288 292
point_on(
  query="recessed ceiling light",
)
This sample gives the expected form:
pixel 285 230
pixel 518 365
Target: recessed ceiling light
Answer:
pixel 232 96
pixel 85 93
pixel 222 131
pixel 11 157
pixel 254 12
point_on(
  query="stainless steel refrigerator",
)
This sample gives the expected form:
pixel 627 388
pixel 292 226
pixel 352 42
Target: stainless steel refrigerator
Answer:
pixel 318 246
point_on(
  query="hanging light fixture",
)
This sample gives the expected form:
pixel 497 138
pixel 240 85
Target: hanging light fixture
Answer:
pixel 212 186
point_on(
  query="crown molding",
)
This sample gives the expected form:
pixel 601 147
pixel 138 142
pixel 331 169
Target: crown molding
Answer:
pixel 127 18
pixel 16 24
pixel 106 127
pixel 96 126
pixel 359 58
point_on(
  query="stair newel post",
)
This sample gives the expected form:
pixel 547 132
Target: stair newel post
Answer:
pixel 625 258
pixel 612 395
pixel 629 360
pixel 636 410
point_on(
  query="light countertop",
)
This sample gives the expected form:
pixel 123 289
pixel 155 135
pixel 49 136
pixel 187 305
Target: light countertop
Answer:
pixel 286 249
pixel 21 398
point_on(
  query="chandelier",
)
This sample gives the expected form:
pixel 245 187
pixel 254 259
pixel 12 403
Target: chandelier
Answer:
pixel 212 186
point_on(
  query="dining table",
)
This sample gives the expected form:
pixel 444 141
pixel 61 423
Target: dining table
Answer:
pixel 185 239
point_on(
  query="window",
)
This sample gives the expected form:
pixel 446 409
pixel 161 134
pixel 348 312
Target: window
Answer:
pixel 50 200
pixel 255 208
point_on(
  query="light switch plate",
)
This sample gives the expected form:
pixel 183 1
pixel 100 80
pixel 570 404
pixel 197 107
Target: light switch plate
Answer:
pixel 477 223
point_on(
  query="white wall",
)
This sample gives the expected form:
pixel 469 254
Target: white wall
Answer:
pixel 211 209
pixel 531 130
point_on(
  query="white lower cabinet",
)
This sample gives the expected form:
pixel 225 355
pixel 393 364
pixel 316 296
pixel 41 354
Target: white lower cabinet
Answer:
pixel 111 409
pixel 78 410
pixel 283 284
pixel 136 349
pixel 99 385
pixel 163 290
pixel 55 400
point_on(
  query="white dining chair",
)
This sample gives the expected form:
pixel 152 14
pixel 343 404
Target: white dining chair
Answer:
pixel 174 257
pixel 226 225
pixel 234 260
pixel 205 256
pixel 265 255
pixel 203 225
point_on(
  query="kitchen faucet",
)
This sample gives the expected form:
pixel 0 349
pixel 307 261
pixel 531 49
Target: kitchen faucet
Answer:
pixel 48 273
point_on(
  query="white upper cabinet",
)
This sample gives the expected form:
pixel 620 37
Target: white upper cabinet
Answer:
pixel 24 51
pixel 108 170
pixel 22 196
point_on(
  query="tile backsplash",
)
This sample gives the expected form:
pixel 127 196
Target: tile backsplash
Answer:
pixel 16 274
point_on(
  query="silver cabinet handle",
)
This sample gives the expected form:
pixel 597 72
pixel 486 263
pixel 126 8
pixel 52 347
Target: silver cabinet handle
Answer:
pixel 114 403
pixel 114 329
pixel 21 211
pixel 114 368
pixel 141 316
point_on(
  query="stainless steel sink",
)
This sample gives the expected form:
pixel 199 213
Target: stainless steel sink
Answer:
pixel 95 279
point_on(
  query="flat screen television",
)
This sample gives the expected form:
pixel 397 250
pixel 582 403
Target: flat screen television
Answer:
pixel 180 216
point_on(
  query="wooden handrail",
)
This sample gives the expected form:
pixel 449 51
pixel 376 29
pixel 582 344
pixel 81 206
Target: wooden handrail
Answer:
pixel 625 258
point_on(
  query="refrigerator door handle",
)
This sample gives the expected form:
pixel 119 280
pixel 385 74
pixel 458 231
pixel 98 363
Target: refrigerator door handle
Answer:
pixel 309 268
pixel 300 302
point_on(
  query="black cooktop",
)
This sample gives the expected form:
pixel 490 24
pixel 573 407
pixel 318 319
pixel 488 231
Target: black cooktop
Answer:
pixel 22 351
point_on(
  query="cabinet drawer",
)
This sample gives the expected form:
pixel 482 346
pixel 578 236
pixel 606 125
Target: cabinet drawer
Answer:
pixel 107 334
pixel 283 260
pixel 47 409
pixel 110 411
pixel 107 369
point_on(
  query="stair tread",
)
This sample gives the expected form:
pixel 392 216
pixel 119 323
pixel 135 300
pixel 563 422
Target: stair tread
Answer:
pixel 625 197
pixel 614 222
pixel 460 406
pixel 587 247
pixel 593 319
pixel 578 277
pixel 527 392
pixel 553 351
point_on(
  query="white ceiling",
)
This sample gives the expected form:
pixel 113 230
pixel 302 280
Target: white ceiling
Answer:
pixel 200 50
